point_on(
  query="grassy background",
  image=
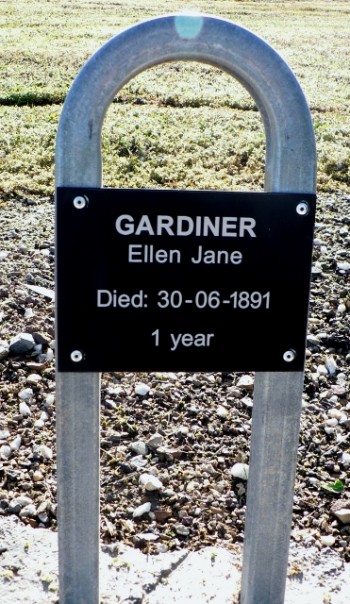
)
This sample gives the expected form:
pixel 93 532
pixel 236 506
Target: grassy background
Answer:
pixel 177 125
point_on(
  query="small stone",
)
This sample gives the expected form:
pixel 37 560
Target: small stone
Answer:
pixel 182 431
pixel 4 350
pixel 182 531
pixel 155 441
pixel 246 382
pixel 331 365
pixel 150 482
pixel 343 515
pixel 29 511
pixel 247 401
pixel 141 510
pixel 38 476
pixel 34 378
pixel 147 537
pixel 327 540
pixel 39 424
pixel 335 413
pixel 24 409
pixel 322 370
pixel 18 503
pixel 339 390
pixel 22 343
pixel 16 443
pixel 193 485
pixel 345 459
pixel 343 266
pixel 5 452
pixel 240 470
pixel 222 412
pixel 41 338
pixel 162 515
pixel 142 389
pixel 341 309
pixel 234 392
pixel 139 447
pixel 170 453
pixel 138 462
pixel 110 404
pixel 331 422
pixel 28 313
pixel 45 452
pixel 49 401
pixel 26 394
pixel 4 434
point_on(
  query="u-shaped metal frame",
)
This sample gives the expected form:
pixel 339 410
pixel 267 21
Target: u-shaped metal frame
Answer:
pixel 290 167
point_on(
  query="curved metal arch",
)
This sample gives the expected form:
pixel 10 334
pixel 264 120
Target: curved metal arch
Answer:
pixel 290 144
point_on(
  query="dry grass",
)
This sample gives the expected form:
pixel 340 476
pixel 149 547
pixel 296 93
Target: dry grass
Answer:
pixel 180 125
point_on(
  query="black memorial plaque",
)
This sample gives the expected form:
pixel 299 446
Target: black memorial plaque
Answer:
pixel 168 280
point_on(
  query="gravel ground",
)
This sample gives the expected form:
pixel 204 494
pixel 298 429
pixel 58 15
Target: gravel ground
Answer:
pixel 186 430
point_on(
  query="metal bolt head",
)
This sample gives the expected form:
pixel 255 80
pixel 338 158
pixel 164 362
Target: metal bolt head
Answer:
pixel 303 208
pixel 76 356
pixel 80 202
pixel 289 356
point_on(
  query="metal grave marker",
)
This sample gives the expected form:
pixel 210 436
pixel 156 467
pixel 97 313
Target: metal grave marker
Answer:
pixel 154 280
pixel 229 271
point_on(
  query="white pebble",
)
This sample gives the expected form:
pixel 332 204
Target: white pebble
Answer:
pixel 45 452
pixel 138 462
pixel 28 313
pixel 5 452
pixel 182 530
pixel 155 441
pixel 147 536
pixel 335 413
pixel 24 409
pixel 142 389
pixel 39 424
pixel 150 482
pixel 183 431
pixel 331 365
pixel 141 510
pixel 345 458
pixel 49 401
pixel 139 447
pixel 240 470
pixel 193 485
pixel 222 412
pixel 341 379
pixel 327 540
pixel 343 266
pixel 26 394
pixel 16 443
pixel 38 476
pixel 49 354
pixel 322 370
pixel 34 378
pixel 331 422
pixel 341 309
pixel 246 382
pixel 28 511
pixel 343 515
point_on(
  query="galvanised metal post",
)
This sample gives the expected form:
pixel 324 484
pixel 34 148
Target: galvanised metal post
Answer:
pixel 290 167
